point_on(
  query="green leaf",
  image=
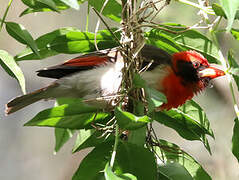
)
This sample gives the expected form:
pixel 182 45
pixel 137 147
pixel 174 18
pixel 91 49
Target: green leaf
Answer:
pixel 72 116
pixel 45 45
pixel 154 98
pixel 72 3
pixel 234 68
pixel 235 139
pixel 174 171
pixel 39 4
pixel 218 10
pixel 138 82
pixel 68 40
pixel 35 6
pixel 94 162
pixel 18 32
pixel 129 121
pixel 138 136
pixel 230 8
pixel 172 153
pixel 112 9
pixel 62 136
pixel 127 176
pixel 89 138
pixel 187 40
pixel 235 33
pixel 11 67
pixel 196 113
pixel 189 121
pixel 81 42
pixel 129 158
pixel 49 3
pixel 159 39
pixel 109 174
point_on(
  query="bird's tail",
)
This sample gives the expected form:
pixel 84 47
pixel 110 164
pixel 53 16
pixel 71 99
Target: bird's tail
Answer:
pixel 25 100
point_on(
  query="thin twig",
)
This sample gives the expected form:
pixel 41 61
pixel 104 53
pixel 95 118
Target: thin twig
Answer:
pixel 98 23
pixel 5 14
pixel 107 26
pixel 158 11
pixel 87 17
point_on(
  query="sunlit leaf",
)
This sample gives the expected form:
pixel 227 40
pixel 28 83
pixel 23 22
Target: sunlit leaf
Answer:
pixel 235 33
pixel 127 120
pixel 18 32
pixel 11 67
pixel 80 42
pixel 68 40
pixel 72 116
pixel 44 44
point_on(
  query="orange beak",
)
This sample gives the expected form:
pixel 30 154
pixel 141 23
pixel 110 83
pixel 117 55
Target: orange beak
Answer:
pixel 211 72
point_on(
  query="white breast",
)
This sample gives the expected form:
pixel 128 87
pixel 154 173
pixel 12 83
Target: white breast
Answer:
pixel 102 81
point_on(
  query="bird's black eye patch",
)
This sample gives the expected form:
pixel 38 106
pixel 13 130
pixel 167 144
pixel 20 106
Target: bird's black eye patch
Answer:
pixel 187 71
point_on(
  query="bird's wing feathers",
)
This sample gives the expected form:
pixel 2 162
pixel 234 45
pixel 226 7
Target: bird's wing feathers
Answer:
pixel 80 63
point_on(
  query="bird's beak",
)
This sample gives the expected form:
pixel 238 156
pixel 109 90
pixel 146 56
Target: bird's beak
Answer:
pixel 211 72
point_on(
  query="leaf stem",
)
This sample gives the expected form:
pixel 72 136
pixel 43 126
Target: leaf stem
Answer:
pixel 115 145
pixel 5 14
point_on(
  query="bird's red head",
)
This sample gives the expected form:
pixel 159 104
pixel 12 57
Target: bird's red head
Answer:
pixel 190 73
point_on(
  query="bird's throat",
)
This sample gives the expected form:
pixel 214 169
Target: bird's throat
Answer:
pixel 176 90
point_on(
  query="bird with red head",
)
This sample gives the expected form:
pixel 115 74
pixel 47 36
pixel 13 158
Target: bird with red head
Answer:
pixel 98 74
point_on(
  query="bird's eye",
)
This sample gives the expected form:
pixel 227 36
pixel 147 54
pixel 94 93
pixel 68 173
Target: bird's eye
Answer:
pixel 196 65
